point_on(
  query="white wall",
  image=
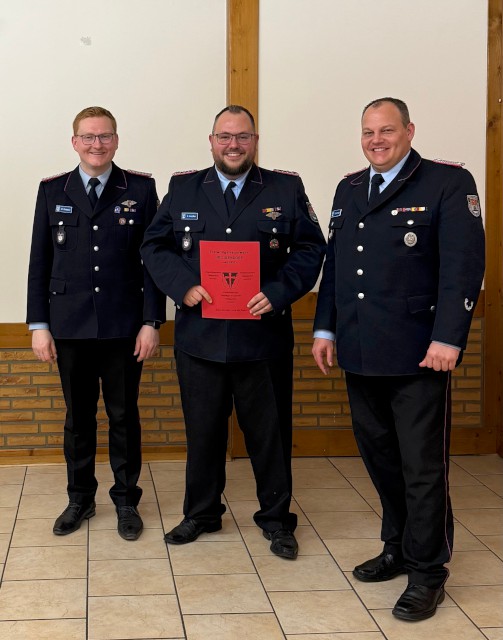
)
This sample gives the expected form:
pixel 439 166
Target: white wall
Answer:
pixel 322 61
pixel 158 65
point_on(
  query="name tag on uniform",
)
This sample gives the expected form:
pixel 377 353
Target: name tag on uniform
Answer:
pixel 336 213
pixel 60 208
pixel 190 215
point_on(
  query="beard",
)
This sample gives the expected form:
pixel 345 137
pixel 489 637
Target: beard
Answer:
pixel 233 171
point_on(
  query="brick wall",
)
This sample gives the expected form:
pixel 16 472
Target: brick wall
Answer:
pixel 32 409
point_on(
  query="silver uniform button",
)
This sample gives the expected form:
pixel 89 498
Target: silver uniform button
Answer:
pixel 96 248
pixel 96 268
pixel 274 230
pixel 61 222
pixel 228 230
pixel 361 225
pixel 95 228
pixel 361 296
pixel 410 221
pixel 97 289
pixel 186 229
pixel 359 248
pixel 131 221
pixel 359 272
pixel 432 308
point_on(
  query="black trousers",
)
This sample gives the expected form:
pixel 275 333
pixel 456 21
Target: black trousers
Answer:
pixel 261 392
pixel 402 428
pixel 82 364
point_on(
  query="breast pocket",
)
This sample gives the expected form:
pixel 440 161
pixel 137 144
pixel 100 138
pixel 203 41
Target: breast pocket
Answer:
pixel 65 230
pixel 188 234
pixel 128 231
pixel 411 235
pixel 274 236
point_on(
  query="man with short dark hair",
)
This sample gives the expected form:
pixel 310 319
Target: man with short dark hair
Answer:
pixel 405 262
pixel 248 362
pixel 95 311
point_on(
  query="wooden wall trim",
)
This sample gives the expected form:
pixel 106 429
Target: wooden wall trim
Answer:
pixel 493 400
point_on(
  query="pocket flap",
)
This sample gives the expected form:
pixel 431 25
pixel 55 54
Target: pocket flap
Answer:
pixel 57 286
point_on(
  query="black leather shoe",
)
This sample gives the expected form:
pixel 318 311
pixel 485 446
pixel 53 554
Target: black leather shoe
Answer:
pixel 418 602
pixel 379 569
pixel 189 530
pixel 129 522
pixel 283 543
pixel 72 517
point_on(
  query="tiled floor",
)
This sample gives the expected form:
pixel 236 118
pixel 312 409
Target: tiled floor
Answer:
pixel 92 585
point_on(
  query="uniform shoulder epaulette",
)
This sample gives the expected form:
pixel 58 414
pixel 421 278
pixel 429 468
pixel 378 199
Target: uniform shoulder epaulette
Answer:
pixel 353 173
pixel 288 173
pixel 185 173
pixel 139 173
pixel 450 163
pixel 58 175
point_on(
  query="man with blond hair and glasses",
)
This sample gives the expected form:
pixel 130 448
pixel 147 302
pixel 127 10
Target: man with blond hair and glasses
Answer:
pixel 94 310
pixel 245 362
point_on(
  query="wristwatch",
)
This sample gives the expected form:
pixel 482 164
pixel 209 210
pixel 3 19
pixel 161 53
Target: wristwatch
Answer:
pixel 153 323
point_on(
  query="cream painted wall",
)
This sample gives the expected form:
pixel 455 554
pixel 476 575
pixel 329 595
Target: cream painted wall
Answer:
pixel 158 65
pixel 322 61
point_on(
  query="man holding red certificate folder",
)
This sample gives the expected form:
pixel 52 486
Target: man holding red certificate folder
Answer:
pixel 217 233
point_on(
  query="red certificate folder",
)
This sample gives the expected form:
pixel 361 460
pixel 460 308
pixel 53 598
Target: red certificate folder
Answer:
pixel 230 273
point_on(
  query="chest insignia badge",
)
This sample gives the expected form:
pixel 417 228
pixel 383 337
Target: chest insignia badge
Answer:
pixel 410 239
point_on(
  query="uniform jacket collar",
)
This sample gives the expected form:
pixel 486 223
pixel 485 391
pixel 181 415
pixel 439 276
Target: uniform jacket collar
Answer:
pixel 251 188
pixel 114 189
pixel 360 182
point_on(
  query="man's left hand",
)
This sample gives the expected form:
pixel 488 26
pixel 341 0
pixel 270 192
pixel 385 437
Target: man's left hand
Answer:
pixel 440 357
pixel 147 342
pixel 259 304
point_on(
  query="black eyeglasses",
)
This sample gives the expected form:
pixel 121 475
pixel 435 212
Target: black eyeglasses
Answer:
pixel 89 138
pixel 241 138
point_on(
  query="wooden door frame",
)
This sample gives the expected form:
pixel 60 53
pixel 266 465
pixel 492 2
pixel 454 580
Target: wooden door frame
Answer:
pixel 242 88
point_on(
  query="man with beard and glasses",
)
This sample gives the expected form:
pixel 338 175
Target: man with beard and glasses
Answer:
pixel 247 363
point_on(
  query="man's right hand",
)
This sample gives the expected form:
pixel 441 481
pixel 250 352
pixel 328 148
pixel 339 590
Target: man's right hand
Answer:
pixel 194 296
pixel 323 351
pixel 43 345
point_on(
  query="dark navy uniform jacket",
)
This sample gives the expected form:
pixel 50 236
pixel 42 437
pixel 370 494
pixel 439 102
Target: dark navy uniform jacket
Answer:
pixel 92 284
pixel 291 253
pixel 396 278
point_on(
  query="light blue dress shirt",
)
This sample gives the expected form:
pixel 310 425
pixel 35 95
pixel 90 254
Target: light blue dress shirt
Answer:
pixel 238 180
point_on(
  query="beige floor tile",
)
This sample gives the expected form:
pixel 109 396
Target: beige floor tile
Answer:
pixel 310 543
pixel 311 463
pixel 48 483
pixel 475 568
pixel 209 557
pixel 483 465
pixel 134 617
pixel 473 497
pixel 43 629
pixel 10 494
pixel 464 540
pixel 321 612
pixel 240 489
pixel 43 599
pixel 239 468
pixel 243 511
pixel 370 635
pixel 106 516
pixel 42 469
pixel 481 522
pixel 481 604
pixel 167 465
pixel 46 563
pixel 458 477
pixel 493 634
pixel 449 623
pixel 245 626
pixel 307 573
pixel 494 482
pixel 4 546
pixel 38 533
pixel 221 594
pixel 12 475
pixel 495 543
pixel 346 525
pixel 130 577
pixel 323 500
pixel 7 519
pixel 169 480
pixel 365 488
pixel 105 544
pixel 350 467
pixel 42 506
pixel 171 502
pixel 353 551
pixel 319 478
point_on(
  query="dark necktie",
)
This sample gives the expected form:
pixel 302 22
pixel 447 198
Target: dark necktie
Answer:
pixel 376 181
pixel 230 198
pixel 92 195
